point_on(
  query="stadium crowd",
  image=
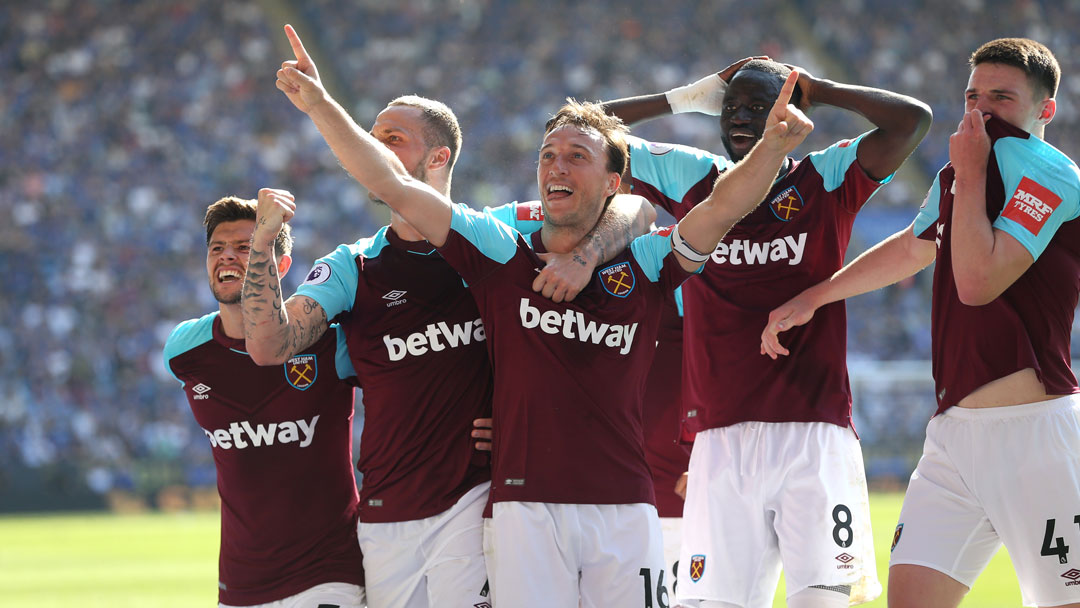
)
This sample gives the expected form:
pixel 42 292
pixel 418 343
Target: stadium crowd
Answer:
pixel 122 120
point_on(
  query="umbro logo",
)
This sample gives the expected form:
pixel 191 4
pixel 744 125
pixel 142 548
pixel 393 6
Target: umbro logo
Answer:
pixel 845 561
pixel 395 297
pixel 200 391
pixel 1072 575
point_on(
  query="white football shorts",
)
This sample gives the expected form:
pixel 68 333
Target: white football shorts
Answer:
pixel 342 595
pixel 544 555
pixel 435 561
pixel 764 495
pixel 992 475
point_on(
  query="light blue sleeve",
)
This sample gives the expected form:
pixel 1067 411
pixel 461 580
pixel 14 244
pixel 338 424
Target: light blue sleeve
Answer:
pixel 333 278
pixel 342 360
pixel 186 336
pixel 1042 189
pixel 493 238
pixel 930 210
pixel 832 163
pixel 526 218
pixel 670 168
pixel 650 250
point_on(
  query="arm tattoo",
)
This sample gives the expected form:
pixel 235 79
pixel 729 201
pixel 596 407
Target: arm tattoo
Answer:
pixel 267 316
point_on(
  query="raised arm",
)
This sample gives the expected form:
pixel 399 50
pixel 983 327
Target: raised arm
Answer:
pixel 895 258
pixel 705 96
pixel 566 274
pixel 739 189
pixel 363 156
pixel 275 332
pixel 985 261
pixel 901 122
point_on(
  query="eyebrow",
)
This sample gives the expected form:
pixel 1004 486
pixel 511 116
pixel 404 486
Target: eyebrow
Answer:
pixel 1006 91
pixel 578 146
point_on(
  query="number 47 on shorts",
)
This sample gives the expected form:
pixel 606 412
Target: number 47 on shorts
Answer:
pixel 1059 548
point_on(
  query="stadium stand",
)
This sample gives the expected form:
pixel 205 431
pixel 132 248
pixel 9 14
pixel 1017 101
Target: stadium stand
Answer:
pixel 120 121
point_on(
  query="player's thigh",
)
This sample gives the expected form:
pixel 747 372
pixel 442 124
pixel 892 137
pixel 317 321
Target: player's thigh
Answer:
pixel 534 559
pixel 823 510
pixel 912 586
pixel 942 525
pixel 1030 488
pixel 394 562
pixel 729 549
pixel 622 556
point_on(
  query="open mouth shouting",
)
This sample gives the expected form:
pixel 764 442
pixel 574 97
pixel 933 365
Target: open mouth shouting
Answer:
pixel 557 192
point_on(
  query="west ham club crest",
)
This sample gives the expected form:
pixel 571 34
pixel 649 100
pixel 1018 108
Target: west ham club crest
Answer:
pixel 786 205
pixel 618 279
pixel 301 371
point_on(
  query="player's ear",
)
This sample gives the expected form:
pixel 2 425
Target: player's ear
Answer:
pixel 283 265
pixel 1048 110
pixel 614 181
pixel 439 158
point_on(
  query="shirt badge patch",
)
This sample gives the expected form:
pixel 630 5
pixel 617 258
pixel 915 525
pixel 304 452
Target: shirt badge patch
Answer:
pixel 787 204
pixel 320 273
pixel 896 536
pixel 659 149
pixel 1031 205
pixel 618 279
pixel 530 212
pixel 697 567
pixel 301 371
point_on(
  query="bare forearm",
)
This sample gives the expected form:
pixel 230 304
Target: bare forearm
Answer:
pixel 380 171
pixel 972 242
pixel 894 259
pixel 901 123
pixel 271 333
pixel 625 219
pixel 639 109
pixel 736 192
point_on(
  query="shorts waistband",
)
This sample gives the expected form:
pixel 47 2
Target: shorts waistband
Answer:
pixel 1059 404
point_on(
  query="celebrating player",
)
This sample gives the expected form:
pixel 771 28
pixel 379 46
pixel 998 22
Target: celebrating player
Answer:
pixel 281 438
pixel 776 474
pixel 418 345
pixel 573 520
pixel 1001 458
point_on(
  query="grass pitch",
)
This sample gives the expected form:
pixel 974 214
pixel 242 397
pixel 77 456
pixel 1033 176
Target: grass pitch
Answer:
pixel 170 561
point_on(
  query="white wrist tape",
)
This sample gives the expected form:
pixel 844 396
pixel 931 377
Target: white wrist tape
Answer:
pixel 681 247
pixel 705 96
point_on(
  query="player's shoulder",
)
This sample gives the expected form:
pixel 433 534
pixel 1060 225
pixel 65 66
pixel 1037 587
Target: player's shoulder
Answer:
pixel 639 147
pixel 371 246
pixel 1039 161
pixel 190 334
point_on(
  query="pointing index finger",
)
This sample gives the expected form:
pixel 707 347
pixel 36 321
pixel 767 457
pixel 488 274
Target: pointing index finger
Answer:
pixel 789 87
pixel 297 46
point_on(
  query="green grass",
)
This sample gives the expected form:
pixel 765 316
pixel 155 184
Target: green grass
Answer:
pixel 170 560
